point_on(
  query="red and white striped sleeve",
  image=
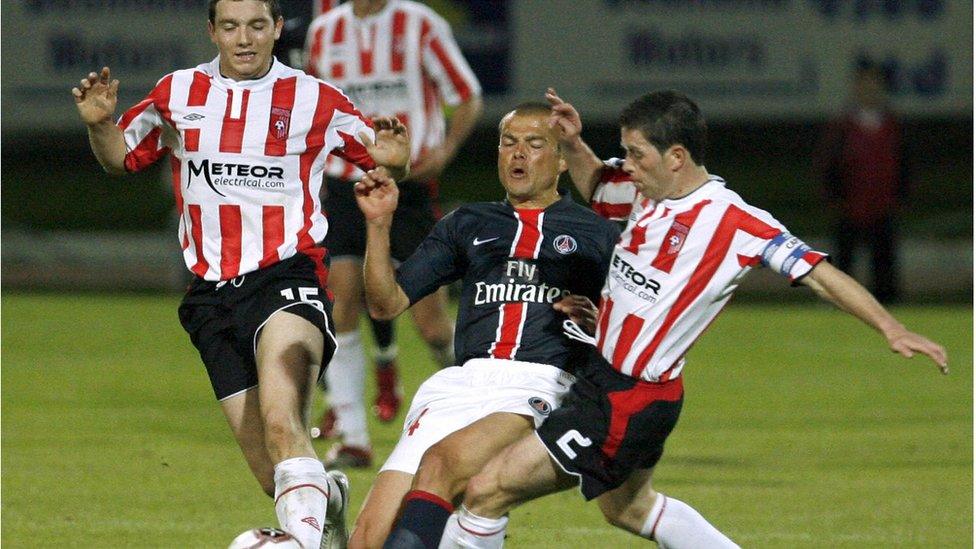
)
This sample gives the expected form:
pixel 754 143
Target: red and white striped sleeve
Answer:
pixel 346 123
pixel 774 247
pixel 143 126
pixel 615 193
pixel 444 63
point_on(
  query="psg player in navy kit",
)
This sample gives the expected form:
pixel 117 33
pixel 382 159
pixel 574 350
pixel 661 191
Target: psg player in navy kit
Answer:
pixel 530 266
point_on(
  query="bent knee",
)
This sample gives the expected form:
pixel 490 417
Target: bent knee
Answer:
pixel 485 495
pixel 439 463
pixel 628 516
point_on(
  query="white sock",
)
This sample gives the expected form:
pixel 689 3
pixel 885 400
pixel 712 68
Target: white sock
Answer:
pixel 347 385
pixel 386 354
pixel 675 525
pixel 465 529
pixel 301 497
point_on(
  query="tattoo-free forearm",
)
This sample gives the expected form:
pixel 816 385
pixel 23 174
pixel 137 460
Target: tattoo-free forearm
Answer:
pixel 462 123
pixel 583 164
pixel 108 145
pixel 846 293
pixel 384 297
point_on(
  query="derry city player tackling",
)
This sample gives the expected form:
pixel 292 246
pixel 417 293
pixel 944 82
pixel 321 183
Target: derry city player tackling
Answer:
pixel 696 239
pixel 249 139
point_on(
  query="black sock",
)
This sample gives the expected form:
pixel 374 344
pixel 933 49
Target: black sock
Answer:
pixel 385 338
pixel 422 523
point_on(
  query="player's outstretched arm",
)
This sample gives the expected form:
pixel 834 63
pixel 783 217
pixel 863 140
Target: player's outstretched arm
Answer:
pixel 376 195
pixel 833 285
pixel 584 166
pixel 391 148
pixel 96 97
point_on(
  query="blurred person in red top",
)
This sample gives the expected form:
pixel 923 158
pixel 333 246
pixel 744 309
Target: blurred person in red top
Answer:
pixel 864 172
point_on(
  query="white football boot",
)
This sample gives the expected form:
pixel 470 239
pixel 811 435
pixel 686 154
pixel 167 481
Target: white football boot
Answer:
pixel 334 534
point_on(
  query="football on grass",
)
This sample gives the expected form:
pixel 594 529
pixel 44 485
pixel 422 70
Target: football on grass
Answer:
pixel 265 537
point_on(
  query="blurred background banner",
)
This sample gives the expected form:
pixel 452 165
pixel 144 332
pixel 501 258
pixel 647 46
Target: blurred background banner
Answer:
pixel 745 59
pixel 768 74
pixel 48 45
pixel 742 59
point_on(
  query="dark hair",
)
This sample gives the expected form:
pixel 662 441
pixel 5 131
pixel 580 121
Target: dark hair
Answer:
pixel 273 6
pixel 528 107
pixel 668 118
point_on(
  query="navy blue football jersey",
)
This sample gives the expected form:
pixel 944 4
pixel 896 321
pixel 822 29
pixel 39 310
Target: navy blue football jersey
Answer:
pixel 514 264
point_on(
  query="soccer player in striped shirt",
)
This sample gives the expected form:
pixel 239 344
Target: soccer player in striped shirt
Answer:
pixel 248 139
pixel 393 58
pixel 688 242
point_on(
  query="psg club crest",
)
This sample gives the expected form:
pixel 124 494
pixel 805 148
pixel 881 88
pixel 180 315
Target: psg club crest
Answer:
pixel 675 238
pixel 280 118
pixel 540 406
pixel 564 244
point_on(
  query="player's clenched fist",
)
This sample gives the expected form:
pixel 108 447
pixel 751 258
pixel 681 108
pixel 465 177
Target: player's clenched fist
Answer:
pixel 96 97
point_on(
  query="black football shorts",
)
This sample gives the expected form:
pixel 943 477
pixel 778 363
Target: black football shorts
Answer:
pixel 224 319
pixel 412 221
pixel 610 425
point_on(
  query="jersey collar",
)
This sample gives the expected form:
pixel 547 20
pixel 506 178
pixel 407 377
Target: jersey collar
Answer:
pixel 712 184
pixel 277 67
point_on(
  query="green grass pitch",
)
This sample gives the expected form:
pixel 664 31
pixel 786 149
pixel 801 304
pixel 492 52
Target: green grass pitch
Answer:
pixel 800 429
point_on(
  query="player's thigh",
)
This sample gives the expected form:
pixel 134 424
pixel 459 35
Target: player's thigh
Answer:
pixel 380 509
pixel 289 356
pixel 519 473
pixel 346 283
pixel 461 454
pixel 243 413
pixel 628 504
pixel 431 317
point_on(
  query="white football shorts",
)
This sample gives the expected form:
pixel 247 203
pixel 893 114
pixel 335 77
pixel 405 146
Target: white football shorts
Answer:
pixel 456 397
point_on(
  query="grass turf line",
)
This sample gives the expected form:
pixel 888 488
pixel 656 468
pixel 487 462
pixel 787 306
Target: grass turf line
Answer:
pixel 799 429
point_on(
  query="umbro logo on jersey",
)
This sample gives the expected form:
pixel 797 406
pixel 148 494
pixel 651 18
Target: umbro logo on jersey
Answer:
pixel 193 117
pixel 478 242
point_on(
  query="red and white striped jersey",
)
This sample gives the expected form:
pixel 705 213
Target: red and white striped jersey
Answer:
pixel 247 161
pixel 675 267
pixel 402 61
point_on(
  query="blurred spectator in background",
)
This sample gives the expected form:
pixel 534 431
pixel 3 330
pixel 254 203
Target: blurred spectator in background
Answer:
pixel 863 167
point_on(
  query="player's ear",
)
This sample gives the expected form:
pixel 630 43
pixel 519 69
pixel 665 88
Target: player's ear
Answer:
pixel 562 163
pixel 211 30
pixel 676 157
pixel 279 24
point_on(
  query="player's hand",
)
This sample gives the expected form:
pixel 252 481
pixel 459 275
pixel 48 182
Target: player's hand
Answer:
pixel 377 195
pixel 580 310
pixel 908 343
pixel 392 145
pixel 563 116
pixel 96 97
pixel 431 166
